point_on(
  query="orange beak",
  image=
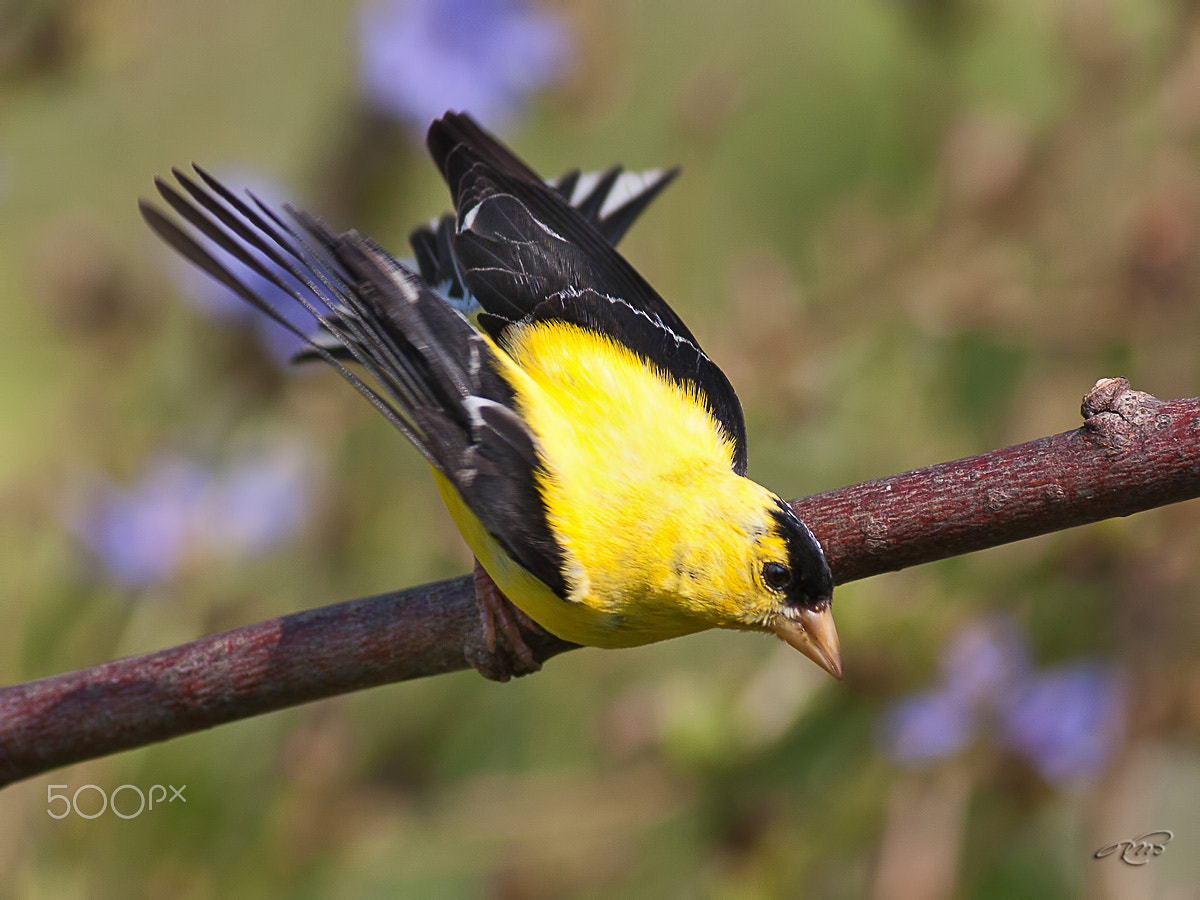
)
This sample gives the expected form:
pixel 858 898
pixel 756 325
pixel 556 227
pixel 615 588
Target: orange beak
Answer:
pixel 813 634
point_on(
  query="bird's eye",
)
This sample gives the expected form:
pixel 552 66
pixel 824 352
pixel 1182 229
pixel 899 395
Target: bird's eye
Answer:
pixel 776 576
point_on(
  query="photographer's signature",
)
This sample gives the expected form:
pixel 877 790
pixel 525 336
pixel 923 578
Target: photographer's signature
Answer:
pixel 1140 850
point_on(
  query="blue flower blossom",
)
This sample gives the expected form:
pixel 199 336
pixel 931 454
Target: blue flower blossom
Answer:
pixel 218 301
pixel 422 57
pixel 985 662
pixel 181 511
pixel 141 533
pixel 258 502
pixel 1065 721
pixel 928 726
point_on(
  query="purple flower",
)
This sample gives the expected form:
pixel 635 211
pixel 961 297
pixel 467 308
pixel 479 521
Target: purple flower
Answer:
pixel 1065 721
pixel 422 57
pixel 141 533
pixel 979 667
pixel 180 511
pixel 218 301
pixel 985 661
pixel 926 727
pixel 258 502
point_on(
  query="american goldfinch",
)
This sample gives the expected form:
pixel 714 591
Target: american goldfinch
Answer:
pixel 592 455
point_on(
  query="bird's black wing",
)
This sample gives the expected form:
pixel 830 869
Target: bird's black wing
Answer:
pixel 611 201
pixel 436 378
pixel 526 254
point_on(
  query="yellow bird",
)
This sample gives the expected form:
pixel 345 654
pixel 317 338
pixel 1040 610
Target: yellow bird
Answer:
pixel 592 455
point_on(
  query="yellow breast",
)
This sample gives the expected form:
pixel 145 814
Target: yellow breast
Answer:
pixel 639 492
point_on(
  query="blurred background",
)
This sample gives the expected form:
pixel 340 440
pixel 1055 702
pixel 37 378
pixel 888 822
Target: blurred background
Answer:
pixel 909 231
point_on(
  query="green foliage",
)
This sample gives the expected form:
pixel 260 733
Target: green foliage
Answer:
pixel 908 230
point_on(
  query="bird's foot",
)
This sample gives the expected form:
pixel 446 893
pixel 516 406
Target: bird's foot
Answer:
pixel 506 652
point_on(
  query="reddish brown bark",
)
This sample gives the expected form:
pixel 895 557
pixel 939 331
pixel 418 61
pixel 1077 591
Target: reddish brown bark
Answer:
pixel 1133 453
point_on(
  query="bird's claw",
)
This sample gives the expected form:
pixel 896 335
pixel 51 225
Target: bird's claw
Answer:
pixel 505 653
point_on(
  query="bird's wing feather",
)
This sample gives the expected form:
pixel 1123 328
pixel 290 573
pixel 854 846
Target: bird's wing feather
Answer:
pixel 612 200
pixel 526 254
pixel 437 378
pixel 609 200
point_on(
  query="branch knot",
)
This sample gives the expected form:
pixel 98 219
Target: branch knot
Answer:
pixel 1115 416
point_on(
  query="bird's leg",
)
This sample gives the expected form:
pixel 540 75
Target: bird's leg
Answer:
pixel 508 652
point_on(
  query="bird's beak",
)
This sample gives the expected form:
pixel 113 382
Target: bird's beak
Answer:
pixel 813 634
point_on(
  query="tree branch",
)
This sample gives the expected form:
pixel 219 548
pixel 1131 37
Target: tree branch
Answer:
pixel 1133 453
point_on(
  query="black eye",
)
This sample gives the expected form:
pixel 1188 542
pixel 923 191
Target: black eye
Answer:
pixel 776 576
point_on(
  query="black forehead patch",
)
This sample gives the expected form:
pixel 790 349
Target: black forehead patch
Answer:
pixel 812 582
